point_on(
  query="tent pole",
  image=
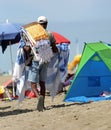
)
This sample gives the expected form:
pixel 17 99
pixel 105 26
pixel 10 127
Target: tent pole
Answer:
pixel 12 68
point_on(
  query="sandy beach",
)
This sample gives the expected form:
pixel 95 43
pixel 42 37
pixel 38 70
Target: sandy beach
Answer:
pixel 58 115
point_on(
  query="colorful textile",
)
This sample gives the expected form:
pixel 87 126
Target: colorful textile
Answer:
pixel 57 69
pixel 2 90
pixel 63 60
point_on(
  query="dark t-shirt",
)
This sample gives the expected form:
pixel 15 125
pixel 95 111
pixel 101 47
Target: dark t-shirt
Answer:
pixel 52 42
pixel 51 37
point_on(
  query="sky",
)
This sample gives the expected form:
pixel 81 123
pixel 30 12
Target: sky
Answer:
pixel 55 10
pixel 67 14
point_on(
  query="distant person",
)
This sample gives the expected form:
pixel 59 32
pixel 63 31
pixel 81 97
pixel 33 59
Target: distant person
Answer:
pixel 38 69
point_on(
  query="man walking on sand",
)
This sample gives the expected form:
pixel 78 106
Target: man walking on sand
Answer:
pixel 38 71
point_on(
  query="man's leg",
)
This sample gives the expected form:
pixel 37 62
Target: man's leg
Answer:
pixel 41 100
pixel 42 88
pixel 34 89
pixel 42 77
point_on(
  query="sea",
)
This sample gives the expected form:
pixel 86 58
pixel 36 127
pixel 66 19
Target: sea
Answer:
pixel 78 33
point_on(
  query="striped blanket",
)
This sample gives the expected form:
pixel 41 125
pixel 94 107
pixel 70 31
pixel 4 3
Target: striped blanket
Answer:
pixel 57 69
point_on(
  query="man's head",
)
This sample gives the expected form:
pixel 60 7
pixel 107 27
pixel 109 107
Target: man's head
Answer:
pixel 42 20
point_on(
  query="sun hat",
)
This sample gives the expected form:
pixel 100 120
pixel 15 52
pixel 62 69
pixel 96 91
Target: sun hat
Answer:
pixel 42 19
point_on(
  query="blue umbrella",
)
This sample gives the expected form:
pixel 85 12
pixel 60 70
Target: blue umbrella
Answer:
pixel 9 34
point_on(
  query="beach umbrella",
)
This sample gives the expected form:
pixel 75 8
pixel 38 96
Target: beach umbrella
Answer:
pixel 9 34
pixel 60 38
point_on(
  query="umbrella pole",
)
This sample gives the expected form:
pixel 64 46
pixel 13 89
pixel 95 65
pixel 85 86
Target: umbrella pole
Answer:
pixel 12 69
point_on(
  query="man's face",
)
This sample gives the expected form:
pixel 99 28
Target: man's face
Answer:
pixel 44 25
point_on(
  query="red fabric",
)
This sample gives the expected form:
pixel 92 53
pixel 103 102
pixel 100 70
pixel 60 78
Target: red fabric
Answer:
pixel 29 94
pixel 8 83
pixel 60 39
pixel 1 95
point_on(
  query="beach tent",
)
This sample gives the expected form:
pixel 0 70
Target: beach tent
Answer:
pixel 92 81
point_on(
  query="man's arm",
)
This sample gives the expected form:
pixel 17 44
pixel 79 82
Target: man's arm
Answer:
pixel 53 44
pixel 54 48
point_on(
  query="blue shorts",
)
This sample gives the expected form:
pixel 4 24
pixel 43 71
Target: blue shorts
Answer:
pixel 37 72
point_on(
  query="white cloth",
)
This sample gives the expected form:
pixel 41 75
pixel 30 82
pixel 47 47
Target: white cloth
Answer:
pixel 20 73
pixel 44 50
pixel 53 76
pixel 22 85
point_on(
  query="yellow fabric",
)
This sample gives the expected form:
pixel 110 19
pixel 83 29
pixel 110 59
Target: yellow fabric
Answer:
pixel 2 90
pixel 36 31
pixel 73 64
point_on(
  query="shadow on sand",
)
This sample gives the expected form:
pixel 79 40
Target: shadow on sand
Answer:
pixel 14 112
pixel 64 105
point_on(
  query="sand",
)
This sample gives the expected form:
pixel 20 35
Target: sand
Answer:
pixel 59 115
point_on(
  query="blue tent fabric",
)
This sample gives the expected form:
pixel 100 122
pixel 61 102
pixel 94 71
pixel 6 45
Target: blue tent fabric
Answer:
pixel 87 99
pixel 93 79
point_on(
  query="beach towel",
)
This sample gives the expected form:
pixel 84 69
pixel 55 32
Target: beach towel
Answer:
pixel 20 72
pixel 64 52
pixel 22 85
pixel 20 61
pixel 57 69
pixel 53 76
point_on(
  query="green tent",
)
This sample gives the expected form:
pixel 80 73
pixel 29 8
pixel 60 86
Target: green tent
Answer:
pixel 93 75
